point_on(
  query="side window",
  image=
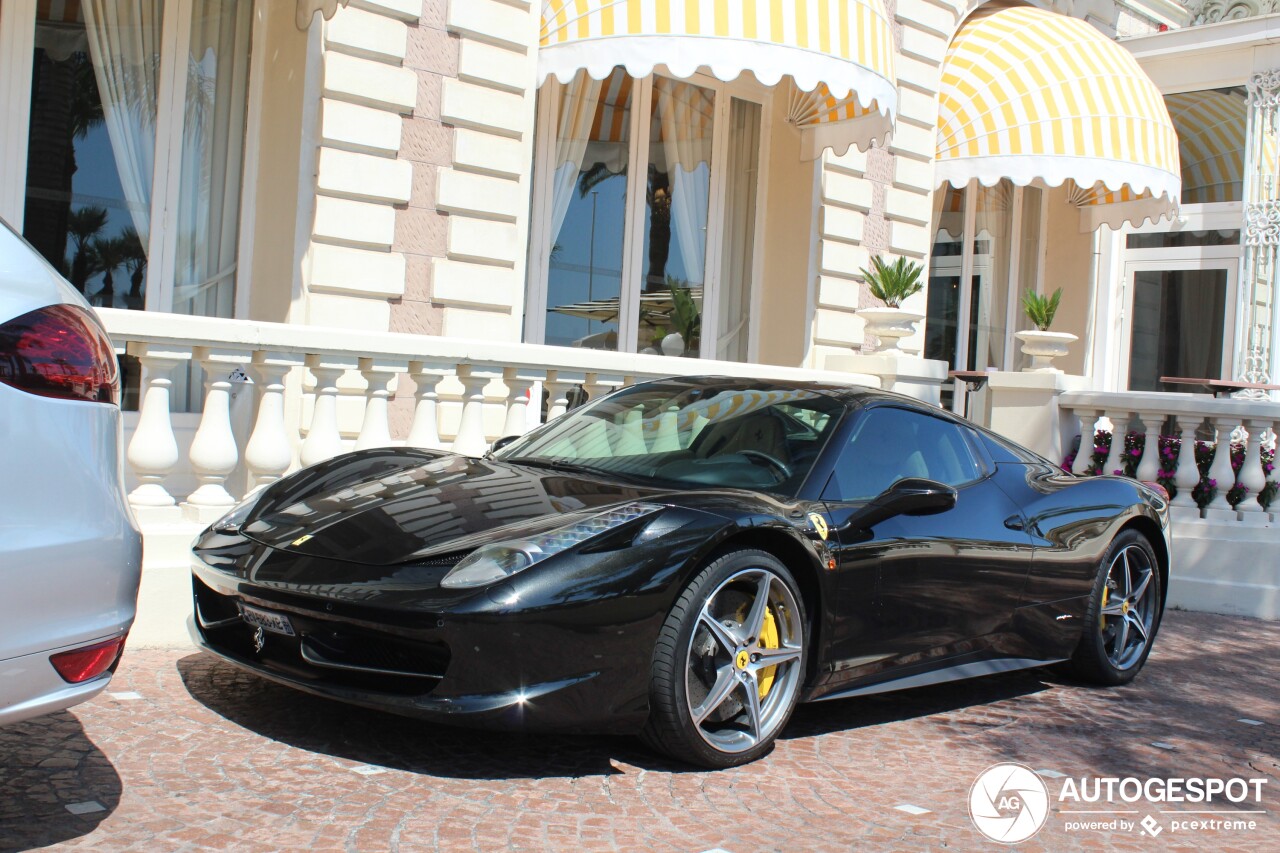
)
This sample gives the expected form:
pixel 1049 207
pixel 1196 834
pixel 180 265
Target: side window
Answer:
pixel 890 444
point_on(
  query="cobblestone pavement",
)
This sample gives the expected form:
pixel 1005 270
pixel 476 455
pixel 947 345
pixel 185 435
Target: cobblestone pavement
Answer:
pixel 185 752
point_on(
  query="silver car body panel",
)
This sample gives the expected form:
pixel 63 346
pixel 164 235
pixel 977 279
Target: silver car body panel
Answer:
pixel 70 551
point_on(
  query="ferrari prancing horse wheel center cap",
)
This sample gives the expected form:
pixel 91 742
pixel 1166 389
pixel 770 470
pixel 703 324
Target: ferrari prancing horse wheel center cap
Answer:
pixel 742 659
pixel 1124 608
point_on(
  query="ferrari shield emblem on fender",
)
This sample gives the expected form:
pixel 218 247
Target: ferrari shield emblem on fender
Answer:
pixel 819 524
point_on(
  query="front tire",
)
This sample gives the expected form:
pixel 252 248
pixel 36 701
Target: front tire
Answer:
pixel 729 663
pixel 1124 613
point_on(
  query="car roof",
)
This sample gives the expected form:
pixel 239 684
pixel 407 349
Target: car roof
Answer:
pixel 844 392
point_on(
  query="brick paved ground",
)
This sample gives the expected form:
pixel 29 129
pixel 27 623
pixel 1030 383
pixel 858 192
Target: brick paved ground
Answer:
pixel 209 758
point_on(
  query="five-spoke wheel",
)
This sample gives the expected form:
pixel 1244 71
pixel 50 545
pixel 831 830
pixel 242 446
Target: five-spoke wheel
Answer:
pixel 730 664
pixel 1124 613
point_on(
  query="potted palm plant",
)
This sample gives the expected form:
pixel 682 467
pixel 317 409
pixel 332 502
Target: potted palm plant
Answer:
pixel 1041 344
pixel 892 284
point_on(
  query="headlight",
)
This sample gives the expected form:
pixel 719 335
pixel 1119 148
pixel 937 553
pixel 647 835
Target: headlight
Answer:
pixel 500 560
pixel 230 523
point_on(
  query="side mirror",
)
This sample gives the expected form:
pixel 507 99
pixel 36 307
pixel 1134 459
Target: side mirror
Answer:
pixel 501 443
pixel 913 496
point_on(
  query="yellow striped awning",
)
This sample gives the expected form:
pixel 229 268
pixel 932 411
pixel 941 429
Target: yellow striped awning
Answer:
pixel 836 56
pixel 1211 141
pixel 1040 98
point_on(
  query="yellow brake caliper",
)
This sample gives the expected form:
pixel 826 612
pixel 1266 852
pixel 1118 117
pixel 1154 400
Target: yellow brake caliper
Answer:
pixel 1102 620
pixel 768 639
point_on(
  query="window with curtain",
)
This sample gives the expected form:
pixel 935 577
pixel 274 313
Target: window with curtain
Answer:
pixel 95 203
pixel 985 255
pixel 636 176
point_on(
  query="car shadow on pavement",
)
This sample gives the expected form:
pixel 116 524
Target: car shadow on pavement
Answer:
pixel 48 766
pixel 817 718
pixel 369 737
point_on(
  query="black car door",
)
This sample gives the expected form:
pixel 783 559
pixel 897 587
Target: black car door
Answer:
pixel 947 582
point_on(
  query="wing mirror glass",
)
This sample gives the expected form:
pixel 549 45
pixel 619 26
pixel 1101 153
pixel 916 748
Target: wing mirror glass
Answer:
pixel 913 496
pixel 501 443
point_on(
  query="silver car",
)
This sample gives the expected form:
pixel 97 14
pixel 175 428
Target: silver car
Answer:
pixel 70 552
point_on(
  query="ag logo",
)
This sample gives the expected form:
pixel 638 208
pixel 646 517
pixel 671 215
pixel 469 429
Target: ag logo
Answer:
pixel 1008 803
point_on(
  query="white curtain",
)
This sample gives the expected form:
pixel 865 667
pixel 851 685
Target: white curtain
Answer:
pixel 124 44
pixel 739 230
pixel 212 157
pixel 685 125
pixel 578 104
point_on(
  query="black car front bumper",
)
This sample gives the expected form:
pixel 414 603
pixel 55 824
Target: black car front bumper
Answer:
pixel 564 663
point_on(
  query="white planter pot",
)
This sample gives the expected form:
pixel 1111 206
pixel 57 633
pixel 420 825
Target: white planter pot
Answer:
pixel 1044 347
pixel 673 344
pixel 890 325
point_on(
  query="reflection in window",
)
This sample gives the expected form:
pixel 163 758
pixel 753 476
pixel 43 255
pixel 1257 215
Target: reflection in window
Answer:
pixel 1182 239
pixel 944 275
pixel 588 208
pixel 676 206
pixel 1211 143
pixel 1178 321
pixel 91 149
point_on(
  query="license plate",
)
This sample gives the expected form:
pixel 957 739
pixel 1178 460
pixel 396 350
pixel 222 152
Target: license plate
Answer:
pixel 276 623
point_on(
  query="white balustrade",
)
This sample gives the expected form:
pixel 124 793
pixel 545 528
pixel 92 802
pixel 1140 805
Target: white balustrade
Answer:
pixel 213 453
pixel 153 450
pixel 1251 422
pixel 292 366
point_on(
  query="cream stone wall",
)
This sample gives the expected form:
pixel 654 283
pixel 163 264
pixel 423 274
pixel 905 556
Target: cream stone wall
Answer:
pixel 352 268
pixel 1069 263
pixel 881 201
pixel 478 280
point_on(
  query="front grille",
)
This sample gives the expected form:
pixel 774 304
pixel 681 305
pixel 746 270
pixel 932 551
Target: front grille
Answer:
pixel 325 651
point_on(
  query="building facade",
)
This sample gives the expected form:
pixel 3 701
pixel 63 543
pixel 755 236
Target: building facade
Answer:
pixel 313 225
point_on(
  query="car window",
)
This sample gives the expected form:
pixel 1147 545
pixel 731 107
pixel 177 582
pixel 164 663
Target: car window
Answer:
pixel 890 444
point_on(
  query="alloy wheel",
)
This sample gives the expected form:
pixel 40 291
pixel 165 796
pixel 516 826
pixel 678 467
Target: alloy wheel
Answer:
pixel 1128 613
pixel 744 660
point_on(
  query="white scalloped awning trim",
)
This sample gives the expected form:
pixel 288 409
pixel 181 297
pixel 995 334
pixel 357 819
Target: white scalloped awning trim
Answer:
pixel 850 85
pixel 1011 108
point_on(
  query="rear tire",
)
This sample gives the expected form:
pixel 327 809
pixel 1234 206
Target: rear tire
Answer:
pixel 728 669
pixel 1125 607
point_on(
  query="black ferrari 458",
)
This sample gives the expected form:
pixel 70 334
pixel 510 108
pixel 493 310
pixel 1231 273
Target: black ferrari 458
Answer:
pixel 685 559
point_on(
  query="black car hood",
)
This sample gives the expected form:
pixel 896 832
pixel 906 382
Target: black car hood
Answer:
pixel 395 505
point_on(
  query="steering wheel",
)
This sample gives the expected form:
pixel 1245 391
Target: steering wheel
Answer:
pixel 772 461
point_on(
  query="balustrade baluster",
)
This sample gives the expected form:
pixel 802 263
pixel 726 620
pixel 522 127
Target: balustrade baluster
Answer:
pixel 1148 468
pixel 153 450
pixel 269 452
pixel 375 429
pixel 1187 475
pixel 1119 429
pixel 323 439
pixel 470 440
pixel 1251 476
pixel 1221 470
pixel 425 431
pixel 1088 431
pixel 518 381
pixel 558 384
pixel 213 453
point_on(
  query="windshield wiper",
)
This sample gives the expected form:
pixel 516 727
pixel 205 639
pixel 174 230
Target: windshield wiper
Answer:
pixel 570 467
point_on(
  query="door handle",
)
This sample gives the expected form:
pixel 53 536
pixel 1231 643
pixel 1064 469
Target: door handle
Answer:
pixel 1015 522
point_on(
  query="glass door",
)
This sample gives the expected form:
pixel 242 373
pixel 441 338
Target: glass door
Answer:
pixel 1181 316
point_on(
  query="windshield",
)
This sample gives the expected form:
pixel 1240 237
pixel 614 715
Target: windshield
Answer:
pixel 735 433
